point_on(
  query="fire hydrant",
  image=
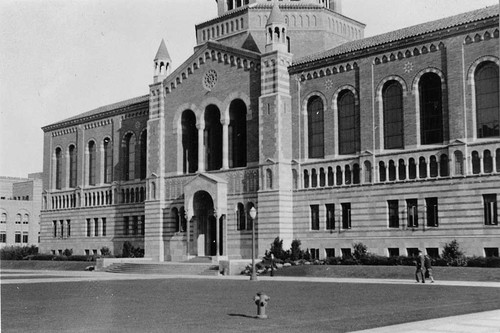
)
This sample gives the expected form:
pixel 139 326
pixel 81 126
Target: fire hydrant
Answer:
pixel 261 301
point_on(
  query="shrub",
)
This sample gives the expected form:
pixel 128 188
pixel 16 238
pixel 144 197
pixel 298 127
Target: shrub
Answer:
pixel 42 257
pixel 483 261
pixel 67 252
pixel 360 250
pixel 17 252
pixel 129 251
pixel 295 251
pixel 277 249
pixel 105 251
pixel 453 255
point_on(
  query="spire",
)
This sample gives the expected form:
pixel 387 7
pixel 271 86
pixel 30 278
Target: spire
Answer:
pixel 162 53
pixel 276 16
pixel 163 63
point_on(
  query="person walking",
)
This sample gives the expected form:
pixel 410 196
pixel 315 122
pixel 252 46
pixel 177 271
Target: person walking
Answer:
pixel 419 263
pixel 428 268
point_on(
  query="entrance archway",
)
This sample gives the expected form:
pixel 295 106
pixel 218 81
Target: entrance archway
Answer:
pixel 206 235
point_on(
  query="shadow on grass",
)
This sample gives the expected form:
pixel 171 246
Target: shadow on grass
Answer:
pixel 241 315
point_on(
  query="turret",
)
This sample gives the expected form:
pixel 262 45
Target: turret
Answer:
pixel 163 63
pixel 276 33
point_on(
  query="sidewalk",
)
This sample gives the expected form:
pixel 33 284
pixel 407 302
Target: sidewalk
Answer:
pixel 487 322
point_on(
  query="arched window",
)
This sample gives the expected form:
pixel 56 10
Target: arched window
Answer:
pixel 497 162
pixel 213 138
pixel 339 173
pixel 306 179
pixel 382 172
pixel 330 176
pixel 250 222
pixel 175 219
pixel 431 111
pixel 189 142
pixel 240 217
pixel 295 176
pixel 269 178
pixel 476 167
pixel 322 179
pixel 144 154
pixel 412 169
pixel 92 162
pixel 368 172
pixel 72 166
pixel 355 173
pixel 237 134
pixel 401 169
pixel 392 95
pixel 392 170
pixel 444 170
pixel 108 160
pixel 433 166
pixel 349 135
pixel 348 175
pixel 422 167
pixel 314 178
pixel 315 127
pixel 58 168
pixel 487 100
pixel 487 162
pixel 459 163
pixel 183 218
pixel 129 157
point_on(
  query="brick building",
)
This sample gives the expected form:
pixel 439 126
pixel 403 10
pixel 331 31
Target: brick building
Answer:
pixel 391 140
pixel 20 203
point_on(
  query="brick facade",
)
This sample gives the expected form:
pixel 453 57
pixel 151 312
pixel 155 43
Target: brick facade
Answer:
pixel 244 84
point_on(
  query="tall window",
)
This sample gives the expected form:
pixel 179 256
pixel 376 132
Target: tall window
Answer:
pixel 392 95
pixel 144 154
pixel 58 168
pixel 129 157
pixel 96 227
pixel 490 209
pixel 88 227
pixel 108 160
pixel 126 225
pixel 240 217
pixel 487 100
pixel 315 127
pixel 189 142
pixel 393 206
pixel 92 163
pixel 213 138
pixel 237 134
pixel 349 136
pixel 346 215
pixel 103 233
pixel 72 166
pixel 412 213
pixel 330 216
pixel 431 111
pixel 183 218
pixel 54 229
pixel 432 212
pixel 314 217
pixel 68 228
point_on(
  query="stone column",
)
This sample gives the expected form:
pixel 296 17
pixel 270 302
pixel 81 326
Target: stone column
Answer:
pixel 225 145
pixel 201 148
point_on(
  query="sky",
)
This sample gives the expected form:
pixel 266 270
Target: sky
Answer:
pixel 60 58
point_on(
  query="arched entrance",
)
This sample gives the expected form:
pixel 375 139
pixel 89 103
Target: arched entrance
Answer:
pixel 206 228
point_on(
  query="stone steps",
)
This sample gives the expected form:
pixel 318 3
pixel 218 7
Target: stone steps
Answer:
pixel 164 268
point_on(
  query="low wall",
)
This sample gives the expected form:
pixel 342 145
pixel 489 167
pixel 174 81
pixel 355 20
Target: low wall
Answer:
pixel 234 267
pixel 102 263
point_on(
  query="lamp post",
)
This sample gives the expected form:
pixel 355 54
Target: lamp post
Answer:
pixel 253 214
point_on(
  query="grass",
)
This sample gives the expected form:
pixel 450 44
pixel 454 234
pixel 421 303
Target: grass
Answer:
pixel 391 272
pixel 221 305
pixel 46 265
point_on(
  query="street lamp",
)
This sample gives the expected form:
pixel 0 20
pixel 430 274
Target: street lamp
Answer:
pixel 253 214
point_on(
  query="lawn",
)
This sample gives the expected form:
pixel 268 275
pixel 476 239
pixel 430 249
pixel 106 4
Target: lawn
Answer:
pixel 391 272
pixel 221 305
